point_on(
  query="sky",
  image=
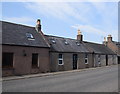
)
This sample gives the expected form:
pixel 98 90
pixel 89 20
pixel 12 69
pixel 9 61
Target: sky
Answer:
pixel 95 20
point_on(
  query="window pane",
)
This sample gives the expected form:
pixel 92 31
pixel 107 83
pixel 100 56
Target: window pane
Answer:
pixel 60 61
pixel 60 56
pixel 86 56
pixel 29 35
pixel 86 61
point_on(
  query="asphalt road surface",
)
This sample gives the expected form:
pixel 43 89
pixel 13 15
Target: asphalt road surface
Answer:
pixel 104 79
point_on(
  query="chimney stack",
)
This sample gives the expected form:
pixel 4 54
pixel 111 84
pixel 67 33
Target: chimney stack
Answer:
pixel 109 38
pixel 79 36
pixel 38 26
pixel 105 39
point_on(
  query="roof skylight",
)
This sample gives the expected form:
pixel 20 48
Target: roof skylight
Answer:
pixel 66 43
pixel 29 36
pixel 78 44
pixel 53 41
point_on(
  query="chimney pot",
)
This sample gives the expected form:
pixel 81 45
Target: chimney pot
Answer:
pixel 38 25
pixel 109 38
pixel 79 33
pixel 104 38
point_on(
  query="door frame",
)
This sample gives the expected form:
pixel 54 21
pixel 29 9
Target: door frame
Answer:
pixel 118 57
pixel 75 61
pixel 106 60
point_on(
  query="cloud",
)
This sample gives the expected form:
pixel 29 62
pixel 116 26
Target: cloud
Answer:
pixel 108 12
pixel 90 16
pixel 61 10
pixel 82 11
pixel 93 30
pixel 20 20
pixel 89 29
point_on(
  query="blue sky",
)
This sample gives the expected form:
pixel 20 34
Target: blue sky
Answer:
pixel 95 19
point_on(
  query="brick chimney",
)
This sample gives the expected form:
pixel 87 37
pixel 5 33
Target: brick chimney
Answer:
pixel 109 38
pixel 38 25
pixel 79 36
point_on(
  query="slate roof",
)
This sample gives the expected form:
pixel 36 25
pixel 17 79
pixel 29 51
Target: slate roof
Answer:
pixel 60 45
pixel 15 34
pixel 84 46
pixel 98 48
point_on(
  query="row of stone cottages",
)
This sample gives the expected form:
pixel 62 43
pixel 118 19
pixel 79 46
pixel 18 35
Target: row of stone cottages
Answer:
pixel 26 50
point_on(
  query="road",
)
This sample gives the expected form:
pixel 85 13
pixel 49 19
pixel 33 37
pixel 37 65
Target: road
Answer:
pixel 104 79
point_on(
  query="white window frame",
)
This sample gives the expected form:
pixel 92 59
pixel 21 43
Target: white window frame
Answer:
pixel 31 36
pixel 66 43
pixel 60 59
pixel 99 59
pixel 86 58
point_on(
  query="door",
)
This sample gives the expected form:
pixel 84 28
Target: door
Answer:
pixel 106 60
pixel 74 61
pixel 118 59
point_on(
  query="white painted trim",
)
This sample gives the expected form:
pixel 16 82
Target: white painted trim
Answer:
pixel 87 60
pixel 62 62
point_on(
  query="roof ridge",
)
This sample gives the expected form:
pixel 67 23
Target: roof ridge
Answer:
pixel 60 37
pixel 93 43
pixel 17 24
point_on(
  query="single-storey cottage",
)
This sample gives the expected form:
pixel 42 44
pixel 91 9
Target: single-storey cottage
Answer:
pixel 24 50
pixel 102 55
pixel 68 54
pixel 27 50
pixel 113 45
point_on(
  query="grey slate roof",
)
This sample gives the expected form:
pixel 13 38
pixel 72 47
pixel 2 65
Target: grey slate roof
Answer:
pixel 60 45
pixel 15 34
pixel 86 47
pixel 98 48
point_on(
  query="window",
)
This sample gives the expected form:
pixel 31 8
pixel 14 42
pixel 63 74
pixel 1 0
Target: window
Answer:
pixel 86 59
pixel 99 60
pixel 78 44
pixel 29 36
pixel 35 60
pixel 66 43
pixel 53 41
pixel 7 60
pixel 60 59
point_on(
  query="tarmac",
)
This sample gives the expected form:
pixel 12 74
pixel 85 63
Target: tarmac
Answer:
pixel 45 74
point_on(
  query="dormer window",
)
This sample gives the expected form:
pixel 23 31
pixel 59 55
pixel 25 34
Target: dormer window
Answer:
pixel 29 36
pixel 53 41
pixel 78 44
pixel 66 43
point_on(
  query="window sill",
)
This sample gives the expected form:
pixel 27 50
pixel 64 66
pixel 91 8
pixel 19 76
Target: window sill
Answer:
pixel 60 64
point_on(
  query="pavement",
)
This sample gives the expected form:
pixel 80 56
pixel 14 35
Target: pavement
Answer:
pixel 45 74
